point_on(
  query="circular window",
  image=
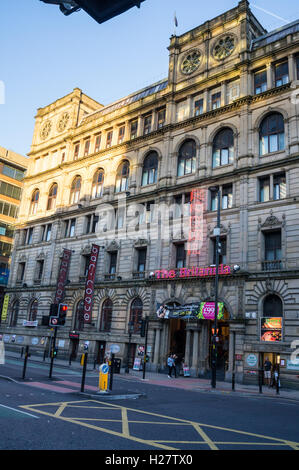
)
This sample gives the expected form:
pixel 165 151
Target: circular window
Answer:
pixel 224 47
pixel 191 62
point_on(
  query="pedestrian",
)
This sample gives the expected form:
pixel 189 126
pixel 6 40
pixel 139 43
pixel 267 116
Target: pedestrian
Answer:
pixel 267 371
pixel 171 366
pixel 177 364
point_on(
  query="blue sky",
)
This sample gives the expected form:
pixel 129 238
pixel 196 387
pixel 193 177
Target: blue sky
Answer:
pixel 44 54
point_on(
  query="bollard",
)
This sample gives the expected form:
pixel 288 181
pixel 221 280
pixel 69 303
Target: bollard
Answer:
pixel 84 372
pixel 277 383
pixel 111 372
pixel 261 380
pixel 25 362
pixel 233 381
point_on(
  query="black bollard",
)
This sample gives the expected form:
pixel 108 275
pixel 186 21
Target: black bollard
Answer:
pixel 111 372
pixel 84 372
pixel 25 362
pixel 261 380
pixel 277 383
pixel 233 381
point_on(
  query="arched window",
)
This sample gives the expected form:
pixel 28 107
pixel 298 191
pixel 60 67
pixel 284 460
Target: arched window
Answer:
pixel 79 316
pixel 34 202
pixel 122 177
pixel 272 319
pixel 272 133
pixel 272 306
pixel 33 310
pixel 136 315
pixel 150 167
pixel 14 313
pixel 52 197
pixel 106 315
pixel 97 184
pixel 223 148
pixel 75 190
pixel 186 158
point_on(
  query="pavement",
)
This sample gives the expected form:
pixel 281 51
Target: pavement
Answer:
pixel 125 388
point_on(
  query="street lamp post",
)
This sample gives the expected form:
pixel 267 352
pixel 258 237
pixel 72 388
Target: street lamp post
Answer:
pixel 217 251
pixel 130 330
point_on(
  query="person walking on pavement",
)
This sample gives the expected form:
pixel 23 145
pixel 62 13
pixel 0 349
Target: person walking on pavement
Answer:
pixel 267 371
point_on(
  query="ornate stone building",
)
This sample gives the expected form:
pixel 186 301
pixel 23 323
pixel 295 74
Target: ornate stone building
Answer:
pixel 226 115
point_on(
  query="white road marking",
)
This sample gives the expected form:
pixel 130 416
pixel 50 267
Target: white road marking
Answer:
pixel 18 411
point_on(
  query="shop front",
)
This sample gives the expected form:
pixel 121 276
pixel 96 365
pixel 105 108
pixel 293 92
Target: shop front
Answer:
pixel 187 330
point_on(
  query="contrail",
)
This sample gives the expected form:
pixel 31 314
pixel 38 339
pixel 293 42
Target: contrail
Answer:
pixel 270 13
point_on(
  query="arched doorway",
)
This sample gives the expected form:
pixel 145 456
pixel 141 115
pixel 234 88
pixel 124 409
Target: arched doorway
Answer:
pixel 177 334
pixel 223 341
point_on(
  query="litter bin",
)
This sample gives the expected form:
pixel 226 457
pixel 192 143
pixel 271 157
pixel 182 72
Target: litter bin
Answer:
pixel 117 364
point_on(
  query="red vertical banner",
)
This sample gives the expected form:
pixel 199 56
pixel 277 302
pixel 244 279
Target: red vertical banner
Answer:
pixel 196 225
pixel 62 276
pixel 89 286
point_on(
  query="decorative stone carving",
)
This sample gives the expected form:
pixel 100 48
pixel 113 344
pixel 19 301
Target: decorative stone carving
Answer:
pixel 62 123
pixel 45 130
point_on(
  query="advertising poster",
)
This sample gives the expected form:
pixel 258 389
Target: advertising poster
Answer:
pixel 271 329
pixel 207 311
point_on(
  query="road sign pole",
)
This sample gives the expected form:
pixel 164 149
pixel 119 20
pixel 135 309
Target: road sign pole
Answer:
pixel 52 352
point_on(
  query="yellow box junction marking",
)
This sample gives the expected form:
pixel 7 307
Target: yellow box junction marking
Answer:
pixel 204 439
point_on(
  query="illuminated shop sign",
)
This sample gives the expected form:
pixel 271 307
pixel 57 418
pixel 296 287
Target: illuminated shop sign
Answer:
pixel 271 329
pixel 199 311
pixel 195 271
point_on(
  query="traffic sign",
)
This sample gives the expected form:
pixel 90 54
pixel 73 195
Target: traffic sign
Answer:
pixel 103 378
pixel 114 348
pixel 53 321
pixel 104 368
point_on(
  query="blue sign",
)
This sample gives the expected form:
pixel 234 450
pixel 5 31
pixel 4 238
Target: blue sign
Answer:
pixel 104 368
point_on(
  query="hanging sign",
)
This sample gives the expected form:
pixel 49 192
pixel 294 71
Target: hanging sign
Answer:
pixel 62 276
pixel 89 286
pixel 5 307
pixel 197 205
pixel 207 311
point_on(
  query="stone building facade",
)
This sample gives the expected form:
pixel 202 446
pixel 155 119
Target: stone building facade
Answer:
pixel 226 115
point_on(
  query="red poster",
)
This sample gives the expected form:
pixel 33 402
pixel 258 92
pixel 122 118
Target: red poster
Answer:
pixel 89 286
pixel 62 276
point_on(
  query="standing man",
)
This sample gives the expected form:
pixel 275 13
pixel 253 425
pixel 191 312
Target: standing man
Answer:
pixel 267 371
pixel 171 366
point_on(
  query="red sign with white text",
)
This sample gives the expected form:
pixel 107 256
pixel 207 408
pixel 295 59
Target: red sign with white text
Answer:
pixel 62 276
pixel 89 286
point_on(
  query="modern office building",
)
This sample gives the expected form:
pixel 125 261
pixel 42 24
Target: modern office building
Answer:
pixel 12 170
pixel 139 178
